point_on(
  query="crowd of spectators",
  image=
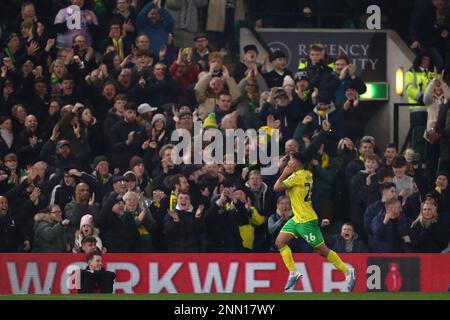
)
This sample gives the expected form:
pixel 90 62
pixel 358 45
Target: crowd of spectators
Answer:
pixel 89 105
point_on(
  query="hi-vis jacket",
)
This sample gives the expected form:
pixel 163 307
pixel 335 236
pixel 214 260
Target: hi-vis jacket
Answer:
pixel 416 81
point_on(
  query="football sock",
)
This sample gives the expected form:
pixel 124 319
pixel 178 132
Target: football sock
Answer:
pixel 286 255
pixel 337 262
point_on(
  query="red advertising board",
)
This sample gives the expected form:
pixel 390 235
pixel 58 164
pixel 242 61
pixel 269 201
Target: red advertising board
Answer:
pixel 203 273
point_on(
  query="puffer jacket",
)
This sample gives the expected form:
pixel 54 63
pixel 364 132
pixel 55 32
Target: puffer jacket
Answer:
pixel 49 234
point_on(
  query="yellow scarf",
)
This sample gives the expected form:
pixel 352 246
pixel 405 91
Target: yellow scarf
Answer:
pixel 325 160
pixel 118 44
pixel 173 201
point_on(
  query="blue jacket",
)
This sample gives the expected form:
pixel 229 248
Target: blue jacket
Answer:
pixel 158 32
pixel 388 237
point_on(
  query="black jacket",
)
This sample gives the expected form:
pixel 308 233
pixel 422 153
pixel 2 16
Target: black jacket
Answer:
pixel 119 233
pixel 222 231
pixel 9 235
pixel 121 152
pixel 433 239
pixel 184 235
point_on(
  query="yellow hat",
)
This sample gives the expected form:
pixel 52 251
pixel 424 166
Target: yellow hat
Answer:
pixel 210 122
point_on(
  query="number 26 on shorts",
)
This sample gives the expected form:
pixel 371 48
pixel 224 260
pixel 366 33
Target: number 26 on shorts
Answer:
pixel 310 237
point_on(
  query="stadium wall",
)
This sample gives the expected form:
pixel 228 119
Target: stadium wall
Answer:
pixel 398 55
pixel 210 273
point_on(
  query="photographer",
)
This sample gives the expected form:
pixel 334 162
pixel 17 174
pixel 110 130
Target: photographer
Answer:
pixel 95 279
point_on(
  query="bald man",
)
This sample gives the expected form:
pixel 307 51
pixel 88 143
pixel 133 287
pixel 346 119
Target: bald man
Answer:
pixel 83 203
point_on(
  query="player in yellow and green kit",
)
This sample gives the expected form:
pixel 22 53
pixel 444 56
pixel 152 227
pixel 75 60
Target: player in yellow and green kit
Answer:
pixel 299 181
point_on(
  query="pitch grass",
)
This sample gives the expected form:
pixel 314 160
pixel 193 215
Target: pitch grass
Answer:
pixel 242 296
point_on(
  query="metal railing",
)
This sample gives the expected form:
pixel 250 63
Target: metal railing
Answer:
pixel 397 107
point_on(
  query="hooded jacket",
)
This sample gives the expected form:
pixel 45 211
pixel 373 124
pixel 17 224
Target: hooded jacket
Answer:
pixel 49 234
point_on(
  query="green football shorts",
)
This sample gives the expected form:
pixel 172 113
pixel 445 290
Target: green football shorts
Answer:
pixel 309 231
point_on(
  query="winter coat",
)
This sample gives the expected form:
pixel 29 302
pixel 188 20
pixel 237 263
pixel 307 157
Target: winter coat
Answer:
pixel 74 211
pixel 371 212
pixel 433 239
pixel 9 234
pixel 433 102
pixel 208 102
pixel 336 120
pixel 122 153
pixel 266 202
pixel 443 128
pixel 49 234
pixel 222 231
pixel 338 244
pixel 158 32
pixel 388 237
pixel 184 235
pixel 357 205
pixel 119 233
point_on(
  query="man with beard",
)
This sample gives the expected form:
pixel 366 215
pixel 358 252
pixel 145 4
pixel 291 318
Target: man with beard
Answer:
pixel 28 143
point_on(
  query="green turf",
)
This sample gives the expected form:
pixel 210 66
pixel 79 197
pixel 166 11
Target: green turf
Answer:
pixel 243 296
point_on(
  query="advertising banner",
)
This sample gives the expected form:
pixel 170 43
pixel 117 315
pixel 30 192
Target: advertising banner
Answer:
pixel 210 273
pixel 367 50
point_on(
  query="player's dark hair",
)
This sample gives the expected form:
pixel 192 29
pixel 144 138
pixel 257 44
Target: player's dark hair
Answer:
pixel 300 158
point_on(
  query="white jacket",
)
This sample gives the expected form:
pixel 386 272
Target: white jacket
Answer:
pixel 433 102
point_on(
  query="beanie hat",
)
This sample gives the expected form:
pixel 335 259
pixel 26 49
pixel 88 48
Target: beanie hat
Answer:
pixel 157 117
pixel 99 159
pixel 87 219
pixel 135 160
pixel 210 122
pixel 277 54
pixel 324 97
pixel 288 81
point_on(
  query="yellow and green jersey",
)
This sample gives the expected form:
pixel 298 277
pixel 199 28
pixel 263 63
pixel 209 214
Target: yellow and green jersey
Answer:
pixel 300 185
